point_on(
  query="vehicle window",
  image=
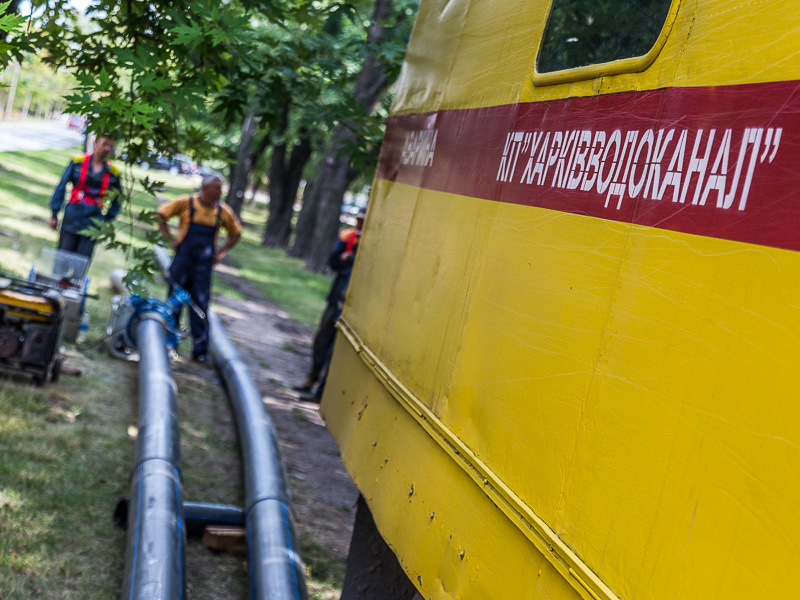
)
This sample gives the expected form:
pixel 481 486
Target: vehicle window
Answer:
pixel 580 33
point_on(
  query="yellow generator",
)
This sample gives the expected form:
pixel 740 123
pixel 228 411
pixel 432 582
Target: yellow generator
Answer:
pixel 31 317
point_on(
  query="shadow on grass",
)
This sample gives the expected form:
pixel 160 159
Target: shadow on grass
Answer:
pixel 39 161
pixel 55 468
pixel 322 565
pixel 11 186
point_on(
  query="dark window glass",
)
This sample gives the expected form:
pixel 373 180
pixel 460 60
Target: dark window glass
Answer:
pixel 590 32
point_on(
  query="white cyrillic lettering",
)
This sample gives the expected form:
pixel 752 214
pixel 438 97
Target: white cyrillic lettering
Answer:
pixel 555 148
pixel 559 175
pixel 618 187
pixel 528 173
pixel 635 188
pixel 431 149
pixel 719 172
pixel 755 138
pixel 673 176
pixel 602 185
pixel 514 143
pixel 593 165
pixel 697 165
pixel 540 160
pixel 654 170
pixel 729 197
pixel 577 167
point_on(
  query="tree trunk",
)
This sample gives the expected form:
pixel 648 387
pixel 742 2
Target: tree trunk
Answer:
pixel 306 221
pixel 240 171
pixel 336 174
pixel 284 179
pixel 12 90
pixel 278 225
pixel 253 191
pixel 256 155
pixel 373 571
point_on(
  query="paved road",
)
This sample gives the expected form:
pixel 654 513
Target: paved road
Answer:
pixel 37 135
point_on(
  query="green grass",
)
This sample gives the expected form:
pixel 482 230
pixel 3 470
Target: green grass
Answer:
pixel 280 278
pixel 65 449
pixel 299 414
pixel 29 179
pixel 65 462
pixel 319 563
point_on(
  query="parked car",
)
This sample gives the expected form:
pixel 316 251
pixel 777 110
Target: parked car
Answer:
pixel 180 164
pixel 159 163
pixel 183 164
pixel 76 122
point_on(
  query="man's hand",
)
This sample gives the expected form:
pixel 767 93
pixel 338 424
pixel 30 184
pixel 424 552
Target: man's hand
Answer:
pixel 222 252
pixel 54 223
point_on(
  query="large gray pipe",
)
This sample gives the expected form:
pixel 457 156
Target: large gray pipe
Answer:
pixel 154 564
pixel 276 569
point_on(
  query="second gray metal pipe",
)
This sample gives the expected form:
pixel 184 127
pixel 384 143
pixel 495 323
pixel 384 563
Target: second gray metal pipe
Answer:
pixel 154 565
pixel 276 569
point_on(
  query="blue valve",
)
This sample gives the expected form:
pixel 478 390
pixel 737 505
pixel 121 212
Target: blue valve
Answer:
pixel 166 310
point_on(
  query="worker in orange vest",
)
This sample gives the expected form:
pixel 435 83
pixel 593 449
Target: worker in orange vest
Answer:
pixel 341 261
pixel 92 177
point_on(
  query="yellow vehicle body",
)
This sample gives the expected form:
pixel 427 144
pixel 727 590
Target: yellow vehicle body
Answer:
pixel 599 401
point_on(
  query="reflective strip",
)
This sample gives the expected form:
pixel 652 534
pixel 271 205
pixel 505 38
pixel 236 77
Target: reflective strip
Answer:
pixel 79 191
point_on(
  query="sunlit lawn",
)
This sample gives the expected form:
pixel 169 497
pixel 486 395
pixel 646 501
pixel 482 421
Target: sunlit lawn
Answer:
pixel 65 449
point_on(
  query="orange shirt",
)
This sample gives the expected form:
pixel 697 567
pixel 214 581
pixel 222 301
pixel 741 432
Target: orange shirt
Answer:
pixel 202 215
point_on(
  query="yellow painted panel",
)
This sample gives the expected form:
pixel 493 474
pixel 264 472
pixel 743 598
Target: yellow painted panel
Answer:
pixel 430 55
pixel 629 392
pixel 435 265
pixel 494 62
pixel 536 320
pixel 451 540
pixel 612 428
pixel 633 386
pixel 390 215
pixel 698 383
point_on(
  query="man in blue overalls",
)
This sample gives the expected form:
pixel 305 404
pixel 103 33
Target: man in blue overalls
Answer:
pixel 92 176
pixel 201 216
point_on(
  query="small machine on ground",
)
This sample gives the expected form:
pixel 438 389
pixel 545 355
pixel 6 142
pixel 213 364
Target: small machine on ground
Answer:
pixel 67 273
pixel 31 318
pixel 38 312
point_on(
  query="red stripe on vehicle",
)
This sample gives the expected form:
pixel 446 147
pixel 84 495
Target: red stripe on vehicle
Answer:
pixel 720 162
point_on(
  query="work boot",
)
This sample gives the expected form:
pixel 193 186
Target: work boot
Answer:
pixel 305 386
pixel 309 396
pixel 202 359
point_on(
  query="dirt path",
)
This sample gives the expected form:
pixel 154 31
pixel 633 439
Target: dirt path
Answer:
pixel 276 350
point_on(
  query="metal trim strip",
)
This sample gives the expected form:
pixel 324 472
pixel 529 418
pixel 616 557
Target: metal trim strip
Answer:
pixel 566 562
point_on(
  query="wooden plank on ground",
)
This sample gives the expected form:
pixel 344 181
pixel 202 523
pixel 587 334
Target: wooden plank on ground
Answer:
pixel 233 539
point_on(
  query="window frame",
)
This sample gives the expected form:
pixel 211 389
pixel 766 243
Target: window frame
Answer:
pixel 634 64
